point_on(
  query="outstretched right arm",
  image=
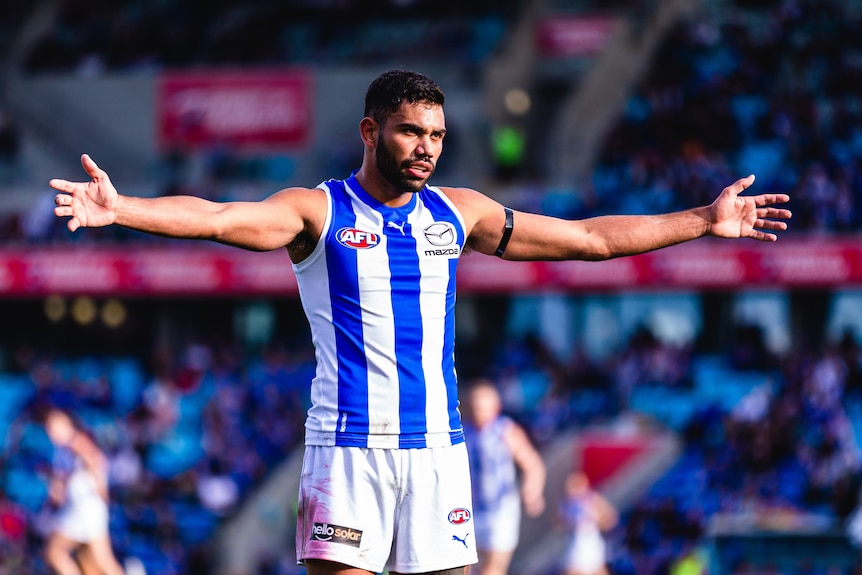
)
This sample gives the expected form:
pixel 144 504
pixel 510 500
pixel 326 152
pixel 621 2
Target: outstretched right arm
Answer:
pixel 266 225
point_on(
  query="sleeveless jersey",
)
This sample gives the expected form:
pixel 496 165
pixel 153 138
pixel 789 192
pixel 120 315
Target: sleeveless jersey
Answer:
pixel 492 467
pixel 81 487
pixel 379 294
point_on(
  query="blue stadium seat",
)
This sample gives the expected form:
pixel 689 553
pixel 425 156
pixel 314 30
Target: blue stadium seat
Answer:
pixel 127 381
pixel 174 454
pixel 14 392
pixel 26 488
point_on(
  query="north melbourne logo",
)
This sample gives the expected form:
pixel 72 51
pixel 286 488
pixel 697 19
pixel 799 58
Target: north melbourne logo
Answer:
pixel 336 534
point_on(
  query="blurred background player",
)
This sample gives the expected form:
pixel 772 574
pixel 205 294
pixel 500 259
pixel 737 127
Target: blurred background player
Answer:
pixel 499 448
pixel 587 515
pixel 79 542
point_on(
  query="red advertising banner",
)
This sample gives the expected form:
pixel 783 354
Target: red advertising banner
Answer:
pixel 149 271
pixel 245 109
pixel 567 36
pixel 217 270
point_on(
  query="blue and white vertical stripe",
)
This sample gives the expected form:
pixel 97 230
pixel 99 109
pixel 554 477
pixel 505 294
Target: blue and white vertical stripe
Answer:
pixel 379 293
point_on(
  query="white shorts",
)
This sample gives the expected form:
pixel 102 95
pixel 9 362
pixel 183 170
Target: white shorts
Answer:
pixel 83 521
pixel 405 510
pixel 498 529
pixel 586 553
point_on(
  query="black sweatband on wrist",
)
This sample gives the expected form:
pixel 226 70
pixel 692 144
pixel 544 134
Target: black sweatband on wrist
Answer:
pixel 507 232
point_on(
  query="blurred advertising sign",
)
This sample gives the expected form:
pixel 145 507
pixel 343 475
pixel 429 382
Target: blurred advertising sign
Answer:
pixel 567 36
pixel 245 109
pixel 146 271
pixel 217 270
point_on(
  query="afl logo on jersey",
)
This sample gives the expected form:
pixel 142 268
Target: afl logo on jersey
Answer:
pixel 459 516
pixel 440 234
pixel 357 239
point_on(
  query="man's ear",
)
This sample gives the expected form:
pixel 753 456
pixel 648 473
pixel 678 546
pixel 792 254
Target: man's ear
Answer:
pixel 369 131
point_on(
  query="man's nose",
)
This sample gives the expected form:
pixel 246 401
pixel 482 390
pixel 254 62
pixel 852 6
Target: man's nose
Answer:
pixel 425 148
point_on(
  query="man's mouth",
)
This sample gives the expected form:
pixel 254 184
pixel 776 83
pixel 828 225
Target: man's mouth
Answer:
pixel 420 170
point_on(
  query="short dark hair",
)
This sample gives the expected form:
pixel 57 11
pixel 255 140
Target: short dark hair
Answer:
pixel 390 89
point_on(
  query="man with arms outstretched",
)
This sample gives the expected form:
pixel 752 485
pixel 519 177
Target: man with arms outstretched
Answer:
pixel 385 481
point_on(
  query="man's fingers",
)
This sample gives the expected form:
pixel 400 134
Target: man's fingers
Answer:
pixel 73 224
pixel 62 185
pixel 743 184
pixel 768 199
pixel 762 236
pixel 91 168
pixel 63 211
pixel 739 186
pixel 778 213
pixel 770 225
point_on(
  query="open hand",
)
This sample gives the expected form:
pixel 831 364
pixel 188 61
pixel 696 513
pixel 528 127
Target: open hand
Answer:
pixel 735 216
pixel 90 204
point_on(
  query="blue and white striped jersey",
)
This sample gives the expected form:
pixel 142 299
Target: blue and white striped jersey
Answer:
pixel 379 293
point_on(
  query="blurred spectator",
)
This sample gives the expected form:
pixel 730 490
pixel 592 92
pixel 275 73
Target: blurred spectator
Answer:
pixel 125 466
pixel 13 529
pixel 161 401
pixel 217 491
pixel 692 562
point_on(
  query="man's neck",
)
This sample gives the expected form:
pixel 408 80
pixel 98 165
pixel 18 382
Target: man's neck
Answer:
pixel 380 189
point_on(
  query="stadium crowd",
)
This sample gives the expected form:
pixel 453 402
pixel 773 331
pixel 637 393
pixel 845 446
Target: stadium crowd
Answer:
pixel 772 90
pixel 190 433
pixel 91 36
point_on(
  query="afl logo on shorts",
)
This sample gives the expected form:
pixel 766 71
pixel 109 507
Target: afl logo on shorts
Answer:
pixel 357 239
pixel 459 516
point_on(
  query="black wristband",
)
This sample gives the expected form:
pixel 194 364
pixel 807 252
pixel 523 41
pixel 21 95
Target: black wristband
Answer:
pixel 507 232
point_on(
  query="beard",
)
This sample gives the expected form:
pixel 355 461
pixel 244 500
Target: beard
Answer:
pixel 394 172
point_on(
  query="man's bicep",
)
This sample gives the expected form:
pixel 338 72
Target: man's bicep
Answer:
pixel 524 236
pixel 273 222
pixel 489 223
pixel 538 237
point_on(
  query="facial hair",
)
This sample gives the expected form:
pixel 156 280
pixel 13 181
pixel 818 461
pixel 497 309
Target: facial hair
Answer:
pixel 393 172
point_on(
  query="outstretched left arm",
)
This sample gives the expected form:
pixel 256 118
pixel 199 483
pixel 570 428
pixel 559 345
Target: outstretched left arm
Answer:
pixel 536 237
